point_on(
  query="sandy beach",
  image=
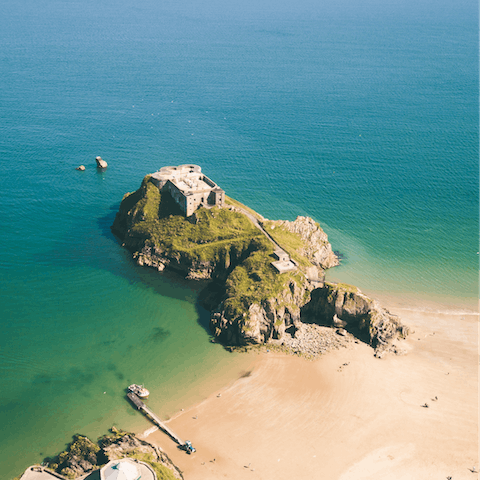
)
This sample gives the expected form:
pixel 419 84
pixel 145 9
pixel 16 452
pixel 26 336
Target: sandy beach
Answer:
pixel 346 415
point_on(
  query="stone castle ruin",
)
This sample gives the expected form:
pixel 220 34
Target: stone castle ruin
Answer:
pixel 189 187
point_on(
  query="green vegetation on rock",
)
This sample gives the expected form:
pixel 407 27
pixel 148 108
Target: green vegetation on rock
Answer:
pixel 342 286
pixel 112 437
pixel 81 453
pixel 155 218
pixel 83 456
pixel 162 472
pixel 214 242
pixel 290 242
pixel 254 281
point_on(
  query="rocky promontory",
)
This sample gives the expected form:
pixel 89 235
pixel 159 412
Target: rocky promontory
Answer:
pixel 83 456
pixel 266 278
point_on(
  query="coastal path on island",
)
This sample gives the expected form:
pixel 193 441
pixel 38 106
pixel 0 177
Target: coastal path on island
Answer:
pixel 285 263
pixel 141 406
pixel 257 224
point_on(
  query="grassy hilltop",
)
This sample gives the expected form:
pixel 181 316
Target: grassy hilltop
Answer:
pixel 149 215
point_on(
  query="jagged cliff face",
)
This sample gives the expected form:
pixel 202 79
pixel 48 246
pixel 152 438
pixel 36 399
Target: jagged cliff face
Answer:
pixel 344 306
pixel 151 255
pixel 267 318
pixel 264 320
pixel 340 306
pixel 316 246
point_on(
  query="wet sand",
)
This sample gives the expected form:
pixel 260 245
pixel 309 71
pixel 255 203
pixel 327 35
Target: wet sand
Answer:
pixel 346 415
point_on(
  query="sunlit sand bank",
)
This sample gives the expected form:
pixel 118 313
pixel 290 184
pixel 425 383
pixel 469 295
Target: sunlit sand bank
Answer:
pixel 347 415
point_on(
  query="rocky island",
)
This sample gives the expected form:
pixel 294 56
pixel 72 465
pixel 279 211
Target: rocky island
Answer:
pixel 266 278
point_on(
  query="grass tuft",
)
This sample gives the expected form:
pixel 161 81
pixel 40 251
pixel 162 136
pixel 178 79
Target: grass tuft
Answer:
pixel 162 472
pixel 291 242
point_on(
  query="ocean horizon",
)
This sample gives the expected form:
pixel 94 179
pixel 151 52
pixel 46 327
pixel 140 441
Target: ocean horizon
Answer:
pixel 363 117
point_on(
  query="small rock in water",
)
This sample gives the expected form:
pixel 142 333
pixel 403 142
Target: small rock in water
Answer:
pixel 101 163
pixel 81 168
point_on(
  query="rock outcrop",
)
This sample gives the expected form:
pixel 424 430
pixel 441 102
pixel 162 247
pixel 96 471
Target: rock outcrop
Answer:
pixel 201 247
pixel 265 320
pixel 316 246
pixel 80 457
pixel 83 456
pixel 345 306
pixel 153 255
pixel 233 247
pixel 285 315
pixel 101 163
pixel 122 444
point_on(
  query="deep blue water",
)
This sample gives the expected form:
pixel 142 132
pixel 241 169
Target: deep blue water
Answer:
pixel 363 115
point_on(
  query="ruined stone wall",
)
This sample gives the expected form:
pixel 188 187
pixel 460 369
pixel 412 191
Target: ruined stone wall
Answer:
pixel 177 195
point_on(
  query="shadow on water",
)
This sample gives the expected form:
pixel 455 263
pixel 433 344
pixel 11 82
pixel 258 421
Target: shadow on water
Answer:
pixel 99 248
pixel 167 283
pixel 104 223
pixel 203 317
pixel 91 244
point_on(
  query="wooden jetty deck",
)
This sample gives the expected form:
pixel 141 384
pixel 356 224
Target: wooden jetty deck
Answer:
pixel 141 406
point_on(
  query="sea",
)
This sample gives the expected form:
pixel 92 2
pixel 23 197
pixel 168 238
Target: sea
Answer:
pixel 360 114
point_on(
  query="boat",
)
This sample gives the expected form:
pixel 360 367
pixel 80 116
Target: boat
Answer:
pixel 138 390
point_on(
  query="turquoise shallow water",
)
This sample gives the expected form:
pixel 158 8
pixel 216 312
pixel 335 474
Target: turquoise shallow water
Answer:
pixel 364 117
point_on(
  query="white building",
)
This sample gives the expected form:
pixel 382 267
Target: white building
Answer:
pixel 127 469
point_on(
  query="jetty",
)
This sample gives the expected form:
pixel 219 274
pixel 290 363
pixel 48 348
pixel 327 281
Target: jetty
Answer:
pixel 141 406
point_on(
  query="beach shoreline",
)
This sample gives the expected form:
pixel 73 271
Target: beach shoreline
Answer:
pixel 345 415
